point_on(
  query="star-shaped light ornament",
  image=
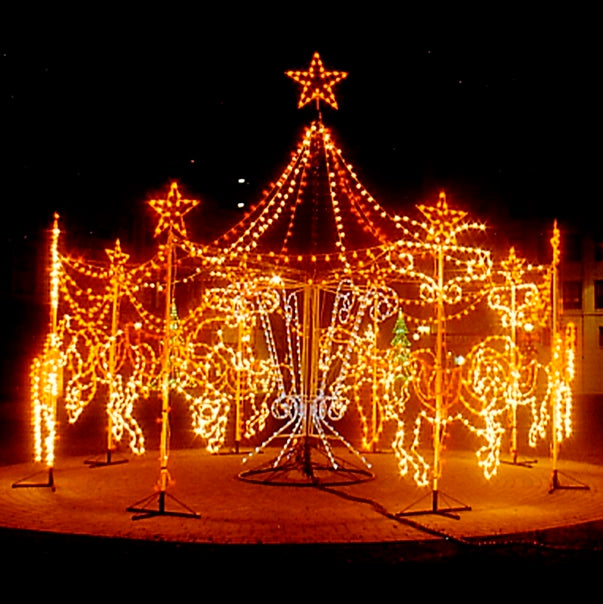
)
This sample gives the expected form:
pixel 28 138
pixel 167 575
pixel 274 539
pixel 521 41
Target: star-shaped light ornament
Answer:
pixel 444 221
pixel 317 83
pixel 513 267
pixel 172 210
pixel 117 257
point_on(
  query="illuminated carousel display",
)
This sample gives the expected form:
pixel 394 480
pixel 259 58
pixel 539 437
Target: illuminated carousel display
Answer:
pixel 317 310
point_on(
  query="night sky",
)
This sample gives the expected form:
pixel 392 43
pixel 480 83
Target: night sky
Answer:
pixel 100 112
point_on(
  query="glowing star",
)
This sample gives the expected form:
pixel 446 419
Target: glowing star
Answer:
pixel 171 211
pixel 116 256
pixel 513 267
pixel 443 220
pixel 317 83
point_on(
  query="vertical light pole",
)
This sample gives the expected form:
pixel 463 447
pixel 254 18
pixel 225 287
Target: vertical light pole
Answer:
pixel 309 370
pixel 118 259
pixel 555 349
pixel 171 211
pixel 165 376
pixel 439 379
pixel 514 369
pixel 561 346
pixel 48 375
pixel 374 417
pixel 55 378
pixel 518 302
pixel 556 355
pixel 441 227
pixel 114 310
pixel 54 306
pixel 238 386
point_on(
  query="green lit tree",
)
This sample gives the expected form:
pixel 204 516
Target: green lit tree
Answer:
pixel 401 345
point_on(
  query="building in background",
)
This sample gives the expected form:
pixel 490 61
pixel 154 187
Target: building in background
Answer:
pixel 581 284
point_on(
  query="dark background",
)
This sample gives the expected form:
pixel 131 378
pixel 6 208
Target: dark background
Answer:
pixel 101 108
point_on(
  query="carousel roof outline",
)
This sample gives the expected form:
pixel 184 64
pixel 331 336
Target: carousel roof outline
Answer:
pixel 317 217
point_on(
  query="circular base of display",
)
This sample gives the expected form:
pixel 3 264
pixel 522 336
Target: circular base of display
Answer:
pixel 309 462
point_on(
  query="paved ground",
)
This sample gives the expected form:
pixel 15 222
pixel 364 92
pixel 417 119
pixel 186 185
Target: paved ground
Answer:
pixel 386 517
pixel 292 536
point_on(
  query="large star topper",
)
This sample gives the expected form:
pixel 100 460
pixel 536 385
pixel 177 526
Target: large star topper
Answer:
pixel 172 210
pixel 317 83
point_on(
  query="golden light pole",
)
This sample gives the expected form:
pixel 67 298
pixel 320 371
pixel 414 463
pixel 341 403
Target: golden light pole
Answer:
pixel 556 351
pixel 439 382
pixel 46 376
pixel 118 260
pixel 238 421
pixel 54 352
pixel 443 286
pixel 519 303
pixel 171 211
pixel 562 371
pixel 376 414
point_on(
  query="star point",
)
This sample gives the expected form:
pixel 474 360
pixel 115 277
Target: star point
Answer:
pixel 317 83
